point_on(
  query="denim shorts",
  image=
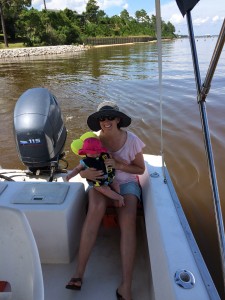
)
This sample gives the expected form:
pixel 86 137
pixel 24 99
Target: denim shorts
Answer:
pixel 131 187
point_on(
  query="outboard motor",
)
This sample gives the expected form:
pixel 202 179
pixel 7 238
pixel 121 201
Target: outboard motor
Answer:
pixel 39 130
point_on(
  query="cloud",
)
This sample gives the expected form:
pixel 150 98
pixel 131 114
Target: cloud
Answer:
pixel 105 4
pixel 201 21
pixel 204 15
pixel 37 3
pixel 215 19
pixel 77 5
pixel 80 5
pixel 176 19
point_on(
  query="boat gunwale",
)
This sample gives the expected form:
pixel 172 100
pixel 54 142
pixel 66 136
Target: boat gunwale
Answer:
pixel 206 277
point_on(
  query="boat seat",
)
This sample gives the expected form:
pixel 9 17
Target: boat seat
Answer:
pixel 19 259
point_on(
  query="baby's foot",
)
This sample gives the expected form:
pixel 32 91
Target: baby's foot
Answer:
pixel 119 203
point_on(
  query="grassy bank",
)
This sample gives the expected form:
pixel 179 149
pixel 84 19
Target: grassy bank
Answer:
pixel 11 45
pixel 18 43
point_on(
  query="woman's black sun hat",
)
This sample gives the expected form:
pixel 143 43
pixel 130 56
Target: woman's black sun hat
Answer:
pixel 107 109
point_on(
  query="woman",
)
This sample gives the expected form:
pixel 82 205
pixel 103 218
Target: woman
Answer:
pixel 127 158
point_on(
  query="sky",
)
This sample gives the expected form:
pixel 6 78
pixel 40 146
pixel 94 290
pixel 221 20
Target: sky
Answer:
pixel 207 16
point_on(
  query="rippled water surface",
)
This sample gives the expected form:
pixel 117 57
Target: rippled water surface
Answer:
pixel 128 74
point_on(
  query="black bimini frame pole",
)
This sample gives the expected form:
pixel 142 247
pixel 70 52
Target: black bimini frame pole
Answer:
pixel 202 92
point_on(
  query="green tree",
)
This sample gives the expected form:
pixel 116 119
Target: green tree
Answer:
pixel 152 25
pixel 60 27
pixel 48 27
pixel 142 16
pixel 67 26
pixel 91 29
pixel 170 30
pixel 116 25
pixel 126 21
pixel 125 17
pixel 10 11
pixel 30 26
pixel 92 10
pixel 103 22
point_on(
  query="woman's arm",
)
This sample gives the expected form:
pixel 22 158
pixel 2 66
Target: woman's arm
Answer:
pixel 92 174
pixel 137 166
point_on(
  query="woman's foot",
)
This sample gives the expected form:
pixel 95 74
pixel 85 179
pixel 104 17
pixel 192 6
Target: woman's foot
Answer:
pixel 122 295
pixel 119 296
pixel 74 284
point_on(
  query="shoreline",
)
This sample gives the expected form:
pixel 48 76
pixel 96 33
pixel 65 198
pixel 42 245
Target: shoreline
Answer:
pixel 40 51
pixel 50 50
pixel 131 43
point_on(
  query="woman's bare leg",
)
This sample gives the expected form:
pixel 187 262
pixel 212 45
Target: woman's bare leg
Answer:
pixel 127 222
pixel 96 210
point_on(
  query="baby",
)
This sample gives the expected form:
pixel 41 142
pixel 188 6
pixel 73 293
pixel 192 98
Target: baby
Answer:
pixel 95 157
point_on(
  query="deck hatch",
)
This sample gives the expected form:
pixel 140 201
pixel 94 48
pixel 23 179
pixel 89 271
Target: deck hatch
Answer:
pixel 41 193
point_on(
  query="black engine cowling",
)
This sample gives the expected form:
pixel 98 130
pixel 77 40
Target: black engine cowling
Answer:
pixel 39 130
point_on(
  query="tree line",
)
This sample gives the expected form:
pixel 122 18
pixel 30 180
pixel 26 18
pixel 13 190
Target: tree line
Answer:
pixel 64 27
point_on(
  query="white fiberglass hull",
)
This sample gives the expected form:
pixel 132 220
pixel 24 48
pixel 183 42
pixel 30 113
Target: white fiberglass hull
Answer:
pixel 163 249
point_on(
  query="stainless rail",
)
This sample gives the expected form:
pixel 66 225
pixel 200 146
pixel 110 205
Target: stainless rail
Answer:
pixel 212 67
pixel 201 95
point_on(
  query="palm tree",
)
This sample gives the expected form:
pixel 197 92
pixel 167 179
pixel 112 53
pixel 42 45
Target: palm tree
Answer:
pixel 45 5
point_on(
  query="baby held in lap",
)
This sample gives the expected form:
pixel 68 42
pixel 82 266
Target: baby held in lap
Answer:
pixel 95 158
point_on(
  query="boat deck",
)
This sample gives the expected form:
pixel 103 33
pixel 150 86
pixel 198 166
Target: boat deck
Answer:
pixel 103 271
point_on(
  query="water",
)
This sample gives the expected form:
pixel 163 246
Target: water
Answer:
pixel 129 75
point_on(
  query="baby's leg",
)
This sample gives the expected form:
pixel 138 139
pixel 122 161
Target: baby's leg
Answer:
pixel 116 187
pixel 106 190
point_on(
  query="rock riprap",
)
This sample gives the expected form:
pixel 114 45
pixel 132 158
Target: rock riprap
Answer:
pixel 36 51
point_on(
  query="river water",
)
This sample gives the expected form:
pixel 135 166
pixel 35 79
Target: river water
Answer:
pixel 128 74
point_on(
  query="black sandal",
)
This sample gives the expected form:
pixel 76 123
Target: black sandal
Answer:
pixel 119 296
pixel 72 286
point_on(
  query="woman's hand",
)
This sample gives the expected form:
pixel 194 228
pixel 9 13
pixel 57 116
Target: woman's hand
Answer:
pixel 92 174
pixel 137 166
pixel 110 162
pixel 113 163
